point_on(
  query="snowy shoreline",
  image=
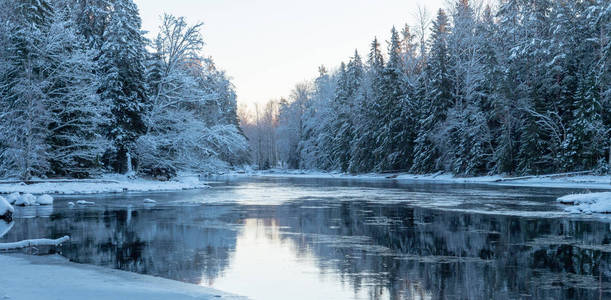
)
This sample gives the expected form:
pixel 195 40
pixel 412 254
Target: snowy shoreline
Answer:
pixel 115 183
pixel 577 182
pixel 110 183
pixel 587 203
pixel 54 277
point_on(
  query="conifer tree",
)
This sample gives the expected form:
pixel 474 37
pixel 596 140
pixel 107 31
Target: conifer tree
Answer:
pixel 122 60
pixel 438 98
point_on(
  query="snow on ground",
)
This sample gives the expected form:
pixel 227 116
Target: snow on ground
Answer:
pixel 578 181
pixel 587 203
pixel 111 183
pixel 54 277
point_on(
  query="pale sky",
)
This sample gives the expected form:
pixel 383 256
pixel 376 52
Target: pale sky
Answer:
pixel 267 46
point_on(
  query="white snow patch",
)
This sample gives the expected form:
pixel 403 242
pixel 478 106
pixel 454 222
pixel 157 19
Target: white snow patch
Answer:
pixel 147 200
pixel 54 277
pixel 587 203
pixel 44 200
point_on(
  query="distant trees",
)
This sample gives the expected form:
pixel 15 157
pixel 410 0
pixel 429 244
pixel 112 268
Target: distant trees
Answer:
pixel 80 93
pixel 524 89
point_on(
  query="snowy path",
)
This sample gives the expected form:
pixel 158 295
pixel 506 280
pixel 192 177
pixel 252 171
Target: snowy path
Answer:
pixel 53 277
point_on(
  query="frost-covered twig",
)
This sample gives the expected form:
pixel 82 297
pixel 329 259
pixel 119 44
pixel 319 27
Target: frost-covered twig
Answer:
pixel 33 243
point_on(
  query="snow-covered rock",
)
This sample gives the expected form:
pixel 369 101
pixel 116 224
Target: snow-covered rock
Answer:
pixel 26 200
pixel 44 200
pixel 12 198
pixel 6 210
pixel 71 204
pixel 587 203
pixel 84 202
pixel 150 201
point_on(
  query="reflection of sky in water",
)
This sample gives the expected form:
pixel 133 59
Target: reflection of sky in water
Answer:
pixel 264 266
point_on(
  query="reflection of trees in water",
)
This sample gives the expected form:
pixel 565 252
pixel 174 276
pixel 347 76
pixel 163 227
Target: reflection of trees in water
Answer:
pixel 387 250
pixel 454 255
pixel 182 243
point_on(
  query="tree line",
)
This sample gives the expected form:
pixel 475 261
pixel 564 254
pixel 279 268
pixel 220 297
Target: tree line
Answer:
pixel 82 91
pixel 522 88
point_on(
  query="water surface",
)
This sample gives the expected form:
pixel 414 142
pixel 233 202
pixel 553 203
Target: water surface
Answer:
pixel 275 238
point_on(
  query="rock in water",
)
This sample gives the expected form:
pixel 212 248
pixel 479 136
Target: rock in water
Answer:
pixel 12 198
pixel 6 210
pixel 151 201
pixel 26 200
pixel 45 200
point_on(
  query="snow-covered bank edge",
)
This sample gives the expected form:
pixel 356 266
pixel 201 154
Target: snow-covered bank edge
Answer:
pixel 578 181
pixel 587 203
pixel 54 277
pixel 111 183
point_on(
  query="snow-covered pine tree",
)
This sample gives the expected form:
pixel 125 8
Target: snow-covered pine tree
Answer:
pixel 541 131
pixel 393 145
pixel 121 62
pixel 466 143
pixel 347 92
pixel 362 158
pixel 437 100
pixel 92 17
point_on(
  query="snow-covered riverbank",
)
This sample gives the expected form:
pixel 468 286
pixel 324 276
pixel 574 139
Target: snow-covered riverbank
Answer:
pixel 111 183
pixel 587 203
pixel 54 277
pixel 557 181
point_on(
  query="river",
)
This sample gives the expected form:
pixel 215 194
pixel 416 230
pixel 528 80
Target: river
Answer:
pixel 296 238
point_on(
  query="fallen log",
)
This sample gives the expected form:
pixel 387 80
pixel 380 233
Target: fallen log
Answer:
pixel 33 243
pixel 545 176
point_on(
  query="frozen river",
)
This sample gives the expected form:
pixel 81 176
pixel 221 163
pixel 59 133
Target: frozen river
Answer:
pixel 281 238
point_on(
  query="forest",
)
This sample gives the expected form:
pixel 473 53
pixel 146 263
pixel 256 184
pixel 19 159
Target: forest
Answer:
pixel 519 87
pixel 83 91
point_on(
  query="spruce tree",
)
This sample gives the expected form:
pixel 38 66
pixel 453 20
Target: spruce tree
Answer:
pixel 121 62
pixel 438 98
pixel 362 158
pixel 393 145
